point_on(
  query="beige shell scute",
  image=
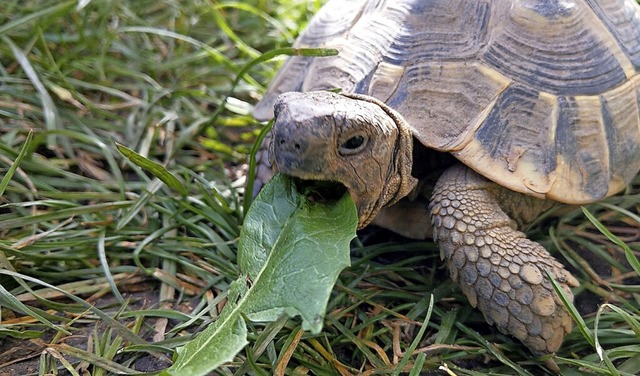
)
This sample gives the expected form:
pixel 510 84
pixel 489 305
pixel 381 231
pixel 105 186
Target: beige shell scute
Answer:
pixel 538 96
pixel 346 26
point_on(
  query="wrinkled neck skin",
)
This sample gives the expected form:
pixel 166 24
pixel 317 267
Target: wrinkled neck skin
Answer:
pixel 398 182
pixel 352 139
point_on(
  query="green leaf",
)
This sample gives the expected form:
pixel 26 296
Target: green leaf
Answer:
pixel 284 281
pixel 217 344
pixel 291 252
pixel 156 169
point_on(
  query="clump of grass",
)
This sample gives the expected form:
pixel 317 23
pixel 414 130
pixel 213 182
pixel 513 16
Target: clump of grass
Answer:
pixel 105 269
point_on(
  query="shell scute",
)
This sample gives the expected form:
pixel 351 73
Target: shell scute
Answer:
pixel 540 96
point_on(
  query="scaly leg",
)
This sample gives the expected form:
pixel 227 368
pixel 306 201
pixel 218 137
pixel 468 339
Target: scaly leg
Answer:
pixel 499 270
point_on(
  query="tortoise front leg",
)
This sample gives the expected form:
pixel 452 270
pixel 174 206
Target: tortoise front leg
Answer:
pixel 499 270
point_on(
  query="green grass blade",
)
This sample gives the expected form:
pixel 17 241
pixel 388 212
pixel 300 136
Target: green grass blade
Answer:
pixel 65 363
pixel 633 321
pixel 16 163
pixel 251 173
pixel 288 51
pixel 114 324
pixel 49 12
pixel 9 301
pixel 62 214
pixel 622 211
pixel 51 116
pixel 573 312
pixel 102 256
pixel 237 41
pixel 277 24
pixel 416 340
pixel 155 168
pixel 631 257
pixel 217 55
pixel 601 353
pixel 493 350
pixel 94 359
pixel 416 370
pixel 631 365
pixel 591 367
pixel 21 334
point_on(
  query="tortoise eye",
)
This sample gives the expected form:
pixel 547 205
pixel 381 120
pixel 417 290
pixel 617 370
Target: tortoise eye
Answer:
pixel 353 145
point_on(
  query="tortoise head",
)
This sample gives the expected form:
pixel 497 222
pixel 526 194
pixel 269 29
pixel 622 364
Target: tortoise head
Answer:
pixel 354 140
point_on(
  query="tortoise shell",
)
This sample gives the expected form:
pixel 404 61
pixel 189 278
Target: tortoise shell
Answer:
pixel 540 96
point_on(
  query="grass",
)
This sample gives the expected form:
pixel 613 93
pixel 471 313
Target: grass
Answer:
pixel 105 270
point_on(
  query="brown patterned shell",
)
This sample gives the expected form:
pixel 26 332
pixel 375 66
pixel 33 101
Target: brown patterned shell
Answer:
pixel 541 96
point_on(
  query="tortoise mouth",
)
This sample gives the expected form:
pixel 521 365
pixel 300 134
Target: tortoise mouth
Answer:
pixel 320 190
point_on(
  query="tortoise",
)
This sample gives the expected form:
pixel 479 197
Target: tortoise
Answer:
pixel 464 121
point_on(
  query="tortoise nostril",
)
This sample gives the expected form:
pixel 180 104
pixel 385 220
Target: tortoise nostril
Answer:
pixel 297 146
pixel 282 141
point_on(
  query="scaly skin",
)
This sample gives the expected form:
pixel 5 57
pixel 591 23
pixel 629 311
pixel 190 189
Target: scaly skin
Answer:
pixel 499 270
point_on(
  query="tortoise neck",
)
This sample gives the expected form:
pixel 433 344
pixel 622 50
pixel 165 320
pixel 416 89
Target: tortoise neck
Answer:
pixel 399 181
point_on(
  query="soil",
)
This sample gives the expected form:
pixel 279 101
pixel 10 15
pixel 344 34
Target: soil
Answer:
pixel 21 357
